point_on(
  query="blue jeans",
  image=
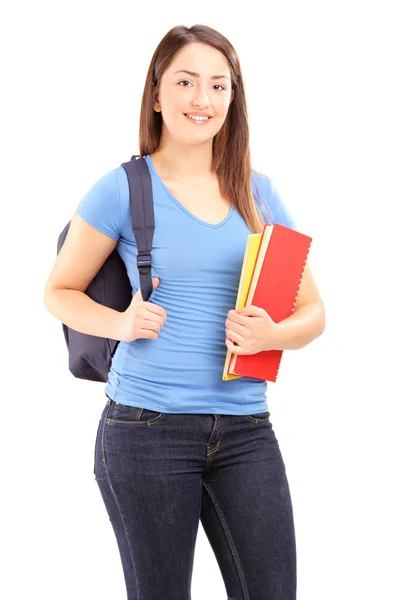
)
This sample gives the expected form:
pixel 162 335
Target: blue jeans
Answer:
pixel 160 473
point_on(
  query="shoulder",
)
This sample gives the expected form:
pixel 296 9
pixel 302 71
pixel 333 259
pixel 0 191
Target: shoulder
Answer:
pixel 264 192
pixel 269 200
pixel 121 179
pixel 264 185
pixel 100 206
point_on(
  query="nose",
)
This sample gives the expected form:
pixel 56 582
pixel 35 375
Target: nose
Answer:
pixel 201 100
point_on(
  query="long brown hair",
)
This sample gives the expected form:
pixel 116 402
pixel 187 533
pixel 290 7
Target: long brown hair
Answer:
pixel 231 150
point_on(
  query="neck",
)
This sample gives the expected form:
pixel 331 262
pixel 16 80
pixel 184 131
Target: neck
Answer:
pixel 184 164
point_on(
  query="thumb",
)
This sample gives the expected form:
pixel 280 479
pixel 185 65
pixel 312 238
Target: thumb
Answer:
pixel 155 281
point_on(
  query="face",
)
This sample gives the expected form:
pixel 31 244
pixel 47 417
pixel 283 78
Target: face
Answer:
pixel 180 94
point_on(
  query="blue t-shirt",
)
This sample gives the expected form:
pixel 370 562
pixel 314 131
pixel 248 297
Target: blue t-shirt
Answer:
pixel 199 267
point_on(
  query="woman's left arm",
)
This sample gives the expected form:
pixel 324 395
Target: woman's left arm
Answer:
pixel 307 322
pixel 250 330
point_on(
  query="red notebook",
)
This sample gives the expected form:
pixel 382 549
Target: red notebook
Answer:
pixel 275 283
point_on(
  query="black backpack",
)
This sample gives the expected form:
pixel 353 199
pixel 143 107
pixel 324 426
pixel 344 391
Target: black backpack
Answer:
pixel 90 356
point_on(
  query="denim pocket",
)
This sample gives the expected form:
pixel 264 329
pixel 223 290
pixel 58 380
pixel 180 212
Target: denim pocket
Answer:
pixel 258 417
pixel 123 414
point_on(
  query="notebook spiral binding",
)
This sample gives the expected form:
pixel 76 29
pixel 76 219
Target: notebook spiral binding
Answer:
pixel 301 277
pixel 295 300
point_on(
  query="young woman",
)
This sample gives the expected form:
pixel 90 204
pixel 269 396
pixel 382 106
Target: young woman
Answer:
pixel 175 442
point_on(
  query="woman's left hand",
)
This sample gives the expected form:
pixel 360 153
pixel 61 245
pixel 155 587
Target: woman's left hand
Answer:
pixel 252 329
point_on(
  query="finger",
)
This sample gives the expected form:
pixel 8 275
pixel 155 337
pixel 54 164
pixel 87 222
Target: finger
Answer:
pixel 237 327
pixel 235 337
pixel 159 320
pixel 149 334
pixel 234 315
pixel 252 310
pixel 155 308
pixel 232 348
pixel 147 325
pixel 237 318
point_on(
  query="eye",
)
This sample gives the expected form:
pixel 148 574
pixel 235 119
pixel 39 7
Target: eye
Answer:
pixel 187 81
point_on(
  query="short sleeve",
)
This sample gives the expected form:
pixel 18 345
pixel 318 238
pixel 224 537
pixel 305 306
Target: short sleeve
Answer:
pixel 281 212
pixel 270 203
pixel 100 207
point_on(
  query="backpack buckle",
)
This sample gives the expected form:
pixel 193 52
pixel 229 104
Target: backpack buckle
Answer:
pixel 143 262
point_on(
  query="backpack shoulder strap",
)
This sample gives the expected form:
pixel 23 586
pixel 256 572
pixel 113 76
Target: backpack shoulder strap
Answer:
pixel 142 212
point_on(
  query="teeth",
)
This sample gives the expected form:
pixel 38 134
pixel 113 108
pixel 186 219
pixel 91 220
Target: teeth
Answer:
pixel 198 118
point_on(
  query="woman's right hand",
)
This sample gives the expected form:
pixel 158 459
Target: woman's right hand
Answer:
pixel 141 319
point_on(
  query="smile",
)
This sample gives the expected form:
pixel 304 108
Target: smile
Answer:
pixel 198 120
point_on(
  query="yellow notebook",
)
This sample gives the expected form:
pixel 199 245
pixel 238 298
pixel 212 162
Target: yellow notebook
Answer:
pixel 249 261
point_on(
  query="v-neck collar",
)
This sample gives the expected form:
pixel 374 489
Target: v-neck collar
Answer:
pixel 150 163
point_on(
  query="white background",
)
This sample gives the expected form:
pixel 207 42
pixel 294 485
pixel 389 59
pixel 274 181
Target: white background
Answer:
pixel 321 81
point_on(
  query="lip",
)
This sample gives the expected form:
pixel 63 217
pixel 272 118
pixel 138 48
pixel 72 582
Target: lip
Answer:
pixel 198 114
pixel 198 122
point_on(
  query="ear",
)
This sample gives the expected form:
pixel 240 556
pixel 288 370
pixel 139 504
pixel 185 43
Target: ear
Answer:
pixel 156 103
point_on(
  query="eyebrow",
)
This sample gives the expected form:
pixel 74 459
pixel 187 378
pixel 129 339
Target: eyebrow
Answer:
pixel 193 74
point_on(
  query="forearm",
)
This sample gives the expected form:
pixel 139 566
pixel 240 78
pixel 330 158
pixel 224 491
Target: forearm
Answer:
pixel 300 328
pixel 78 311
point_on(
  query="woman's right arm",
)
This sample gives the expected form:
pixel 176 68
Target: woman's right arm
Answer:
pixel 81 257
